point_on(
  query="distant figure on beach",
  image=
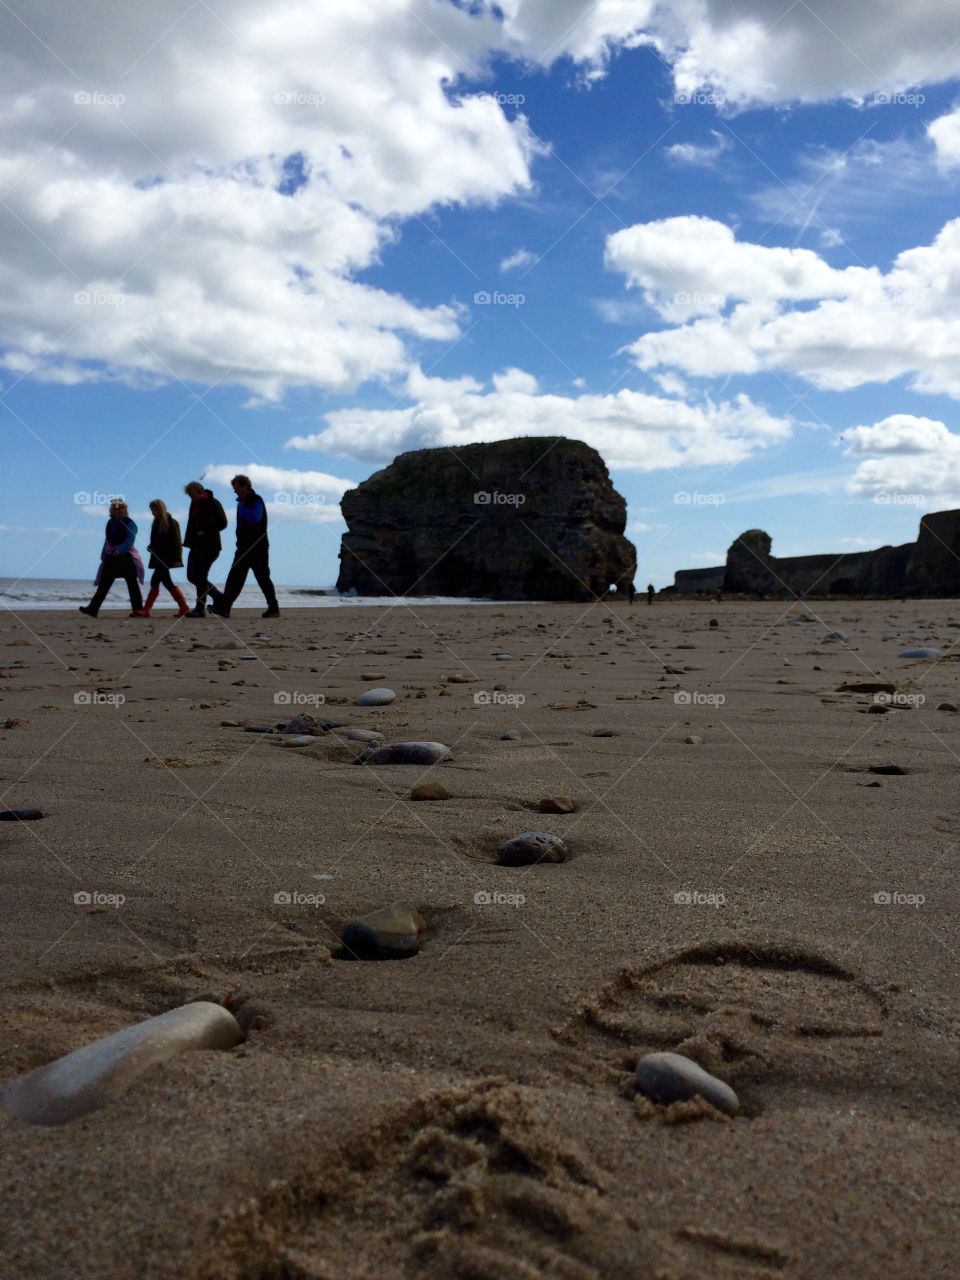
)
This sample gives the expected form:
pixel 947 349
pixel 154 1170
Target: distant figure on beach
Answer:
pixel 631 592
pixel 166 553
pixel 651 591
pixel 205 522
pixel 253 552
pixel 118 559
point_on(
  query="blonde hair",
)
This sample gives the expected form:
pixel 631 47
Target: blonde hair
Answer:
pixel 159 509
pixel 118 504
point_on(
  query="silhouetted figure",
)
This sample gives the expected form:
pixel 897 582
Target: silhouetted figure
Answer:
pixel 253 552
pixel 631 593
pixel 166 553
pixel 205 522
pixel 118 559
pixel 651 590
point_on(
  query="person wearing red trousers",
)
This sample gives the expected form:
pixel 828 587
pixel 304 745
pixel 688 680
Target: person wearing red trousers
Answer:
pixel 166 553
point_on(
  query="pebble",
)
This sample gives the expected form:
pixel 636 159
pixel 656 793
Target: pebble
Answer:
pixel 376 698
pixel 884 767
pixel 297 740
pixel 877 709
pixel 530 847
pixel 460 679
pixel 835 635
pixel 504 657
pixel 557 804
pixel 603 733
pixel 364 735
pixel 303 723
pixel 407 753
pixel 366 675
pixel 430 791
pixel 392 933
pixel 83 1081
pixel 671 1077
pixel 921 652
pixel 20 815
pixel 258 728
pixel 946 706
pixel 511 735
pixel 693 740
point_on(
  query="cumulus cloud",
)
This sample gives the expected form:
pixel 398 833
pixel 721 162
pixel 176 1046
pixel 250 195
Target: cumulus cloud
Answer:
pixel 907 457
pixel 944 133
pixel 740 308
pixel 311 497
pixel 194 198
pixel 632 430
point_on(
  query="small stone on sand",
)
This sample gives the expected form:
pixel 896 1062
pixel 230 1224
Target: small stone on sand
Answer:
pixel 297 740
pixel 531 847
pixel 885 767
pixel 921 652
pixel 430 791
pixel 557 804
pixel 671 1077
pixel 407 753
pixel 364 735
pixel 693 740
pixel 376 698
pixel 946 706
pixel 20 815
pixel 392 933
pixel 511 735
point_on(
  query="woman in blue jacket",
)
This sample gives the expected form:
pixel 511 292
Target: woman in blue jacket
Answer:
pixel 118 559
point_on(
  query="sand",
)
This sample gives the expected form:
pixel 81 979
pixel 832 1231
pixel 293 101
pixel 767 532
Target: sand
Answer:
pixel 470 1112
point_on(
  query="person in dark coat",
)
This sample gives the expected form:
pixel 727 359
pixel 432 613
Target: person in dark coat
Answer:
pixel 253 552
pixel 166 553
pixel 205 522
pixel 118 559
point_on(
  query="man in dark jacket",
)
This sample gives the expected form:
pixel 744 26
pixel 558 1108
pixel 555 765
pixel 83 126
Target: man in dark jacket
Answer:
pixel 205 522
pixel 253 552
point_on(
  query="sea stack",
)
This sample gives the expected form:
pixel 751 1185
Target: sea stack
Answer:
pixel 535 518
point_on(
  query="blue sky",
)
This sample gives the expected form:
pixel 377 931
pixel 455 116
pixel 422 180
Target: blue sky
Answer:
pixel 717 239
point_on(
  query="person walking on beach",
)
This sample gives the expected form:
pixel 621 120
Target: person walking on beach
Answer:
pixel 631 592
pixel 118 559
pixel 166 553
pixel 651 591
pixel 253 552
pixel 205 522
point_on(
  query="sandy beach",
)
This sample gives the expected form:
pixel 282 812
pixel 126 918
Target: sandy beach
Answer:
pixel 755 898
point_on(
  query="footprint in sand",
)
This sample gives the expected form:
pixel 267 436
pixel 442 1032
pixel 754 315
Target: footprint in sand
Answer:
pixel 461 1184
pixel 750 1015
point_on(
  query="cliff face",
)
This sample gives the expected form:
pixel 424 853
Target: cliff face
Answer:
pixel 928 567
pixel 528 519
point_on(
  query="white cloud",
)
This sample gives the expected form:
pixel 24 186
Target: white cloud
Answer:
pixel 741 308
pixel 310 497
pixel 903 456
pixel 702 155
pixel 194 198
pixel 944 133
pixel 632 430
pixel 522 258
